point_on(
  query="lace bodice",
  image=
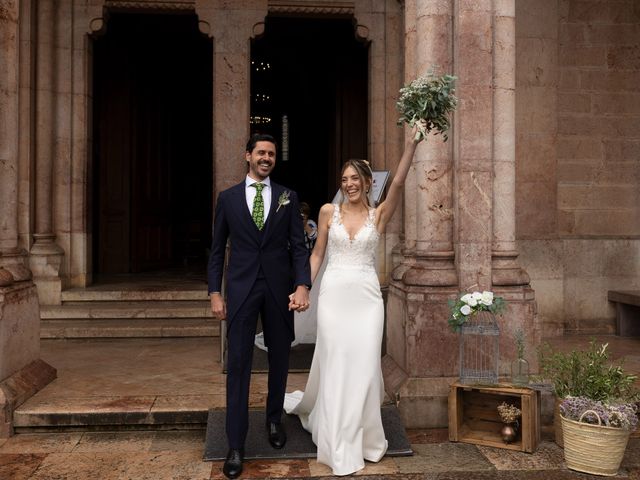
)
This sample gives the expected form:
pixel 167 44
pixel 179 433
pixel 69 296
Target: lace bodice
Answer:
pixel 359 252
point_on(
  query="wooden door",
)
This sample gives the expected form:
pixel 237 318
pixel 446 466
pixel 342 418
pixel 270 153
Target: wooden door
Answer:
pixel 152 155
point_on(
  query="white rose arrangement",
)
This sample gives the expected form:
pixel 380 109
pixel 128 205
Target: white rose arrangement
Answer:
pixel 469 304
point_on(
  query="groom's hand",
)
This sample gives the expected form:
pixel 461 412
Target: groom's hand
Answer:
pixel 299 300
pixel 218 307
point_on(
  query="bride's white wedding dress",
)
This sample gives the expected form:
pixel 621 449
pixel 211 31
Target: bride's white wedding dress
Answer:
pixel 341 403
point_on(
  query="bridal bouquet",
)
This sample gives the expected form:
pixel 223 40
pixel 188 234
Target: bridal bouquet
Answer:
pixel 427 103
pixel 469 304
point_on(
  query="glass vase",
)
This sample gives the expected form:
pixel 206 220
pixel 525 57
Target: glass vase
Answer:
pixel 520 371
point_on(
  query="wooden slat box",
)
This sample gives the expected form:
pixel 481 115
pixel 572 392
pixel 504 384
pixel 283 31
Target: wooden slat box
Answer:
pixel 473 415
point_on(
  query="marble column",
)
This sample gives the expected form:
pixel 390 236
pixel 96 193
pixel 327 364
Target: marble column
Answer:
pixel 507 277
pixel 505 270
pixel 12 258
pixel 420 356
pixel 22 372
pixel 430 201
pixel 232 27
pixel 46 255
pixel 464 202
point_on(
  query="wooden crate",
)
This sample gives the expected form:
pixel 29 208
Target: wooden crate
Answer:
pixel 473 415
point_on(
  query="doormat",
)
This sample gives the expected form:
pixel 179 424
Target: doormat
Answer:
pixel 299 443
pixel 299 359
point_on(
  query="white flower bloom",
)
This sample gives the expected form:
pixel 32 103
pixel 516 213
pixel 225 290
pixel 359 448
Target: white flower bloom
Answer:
pixel 466 298
pixel 487 298
pixel 476 295
pixel 465 310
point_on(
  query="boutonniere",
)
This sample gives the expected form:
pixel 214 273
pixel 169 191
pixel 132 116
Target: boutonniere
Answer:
pixel 283 199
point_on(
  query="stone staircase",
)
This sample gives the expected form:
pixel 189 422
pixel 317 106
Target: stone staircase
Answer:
pixel 129 313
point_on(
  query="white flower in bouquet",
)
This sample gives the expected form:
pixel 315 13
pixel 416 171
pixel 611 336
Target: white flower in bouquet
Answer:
pixel 471 303
pixel 486 298
pixel 427 103
pixel 469 300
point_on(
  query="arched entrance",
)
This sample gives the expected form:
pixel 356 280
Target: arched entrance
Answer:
pixel 152 143
pixel 309 80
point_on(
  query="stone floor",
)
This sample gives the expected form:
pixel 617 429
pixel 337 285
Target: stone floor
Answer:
pixel 172 374
pixel 143 455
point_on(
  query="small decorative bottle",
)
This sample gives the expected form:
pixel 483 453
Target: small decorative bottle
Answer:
pixel 520 366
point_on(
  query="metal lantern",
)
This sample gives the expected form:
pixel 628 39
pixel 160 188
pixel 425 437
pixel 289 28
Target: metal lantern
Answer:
pixel 479 349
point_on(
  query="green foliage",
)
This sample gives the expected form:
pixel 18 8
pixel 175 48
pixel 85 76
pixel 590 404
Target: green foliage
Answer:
pixel 587 374
pixel 427 102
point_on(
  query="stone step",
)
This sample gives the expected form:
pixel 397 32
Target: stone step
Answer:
pixel 114 412
pixel 129 328
pixel 126 309
pixel 114 295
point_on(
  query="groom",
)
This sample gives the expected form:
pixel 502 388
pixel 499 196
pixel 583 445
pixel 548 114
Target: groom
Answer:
pixel 267 261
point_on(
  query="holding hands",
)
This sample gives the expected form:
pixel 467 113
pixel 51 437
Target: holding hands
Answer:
pixel 299 300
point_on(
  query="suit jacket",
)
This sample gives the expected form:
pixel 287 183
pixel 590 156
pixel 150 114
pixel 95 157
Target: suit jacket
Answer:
pixel 279 249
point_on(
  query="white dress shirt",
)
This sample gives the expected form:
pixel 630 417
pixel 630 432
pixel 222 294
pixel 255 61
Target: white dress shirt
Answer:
pixel 250 193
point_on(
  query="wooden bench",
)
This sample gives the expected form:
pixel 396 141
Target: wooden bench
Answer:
pixel 627 311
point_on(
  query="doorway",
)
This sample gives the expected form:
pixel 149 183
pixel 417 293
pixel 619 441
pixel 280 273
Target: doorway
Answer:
pixel 309 79
pixel 152 152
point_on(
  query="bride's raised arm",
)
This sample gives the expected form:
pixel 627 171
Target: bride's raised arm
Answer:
pixel 385 210
pixel 319 249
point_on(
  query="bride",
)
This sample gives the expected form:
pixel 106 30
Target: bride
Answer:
pixel 341 403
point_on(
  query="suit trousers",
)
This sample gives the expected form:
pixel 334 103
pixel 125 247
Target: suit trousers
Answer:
pixel 240 343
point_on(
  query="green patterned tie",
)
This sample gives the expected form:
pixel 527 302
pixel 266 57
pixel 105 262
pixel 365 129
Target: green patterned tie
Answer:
pixel 258 206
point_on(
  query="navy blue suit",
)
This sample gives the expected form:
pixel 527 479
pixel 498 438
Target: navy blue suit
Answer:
pixel 264 267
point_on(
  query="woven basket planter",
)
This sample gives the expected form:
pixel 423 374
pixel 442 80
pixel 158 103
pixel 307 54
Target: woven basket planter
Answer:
pixel 594 449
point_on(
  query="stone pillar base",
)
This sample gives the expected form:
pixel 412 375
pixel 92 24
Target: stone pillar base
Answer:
pixel 13 266
pixel 423 353
pixel 45 261
pixel 19 387
pixel 505 270
pixel 422 402
pixel 49 290
pixel 22 372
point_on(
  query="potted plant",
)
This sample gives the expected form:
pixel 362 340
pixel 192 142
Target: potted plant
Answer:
pixel 510 416
pixel 596 433
pixel 585 373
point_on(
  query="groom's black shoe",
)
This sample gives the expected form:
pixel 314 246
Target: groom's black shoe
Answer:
pixel 277 435
pixel 233 464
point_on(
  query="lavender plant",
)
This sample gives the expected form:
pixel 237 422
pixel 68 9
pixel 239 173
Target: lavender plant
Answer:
pixel 617 415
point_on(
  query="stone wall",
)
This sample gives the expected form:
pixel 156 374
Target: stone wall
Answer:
pixel 578 157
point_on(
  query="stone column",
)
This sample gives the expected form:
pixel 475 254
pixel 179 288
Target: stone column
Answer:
pixel 423 352
pixel 419 350
pixel 22 372
pixel 12 258
pixel 429 45
pixel 507 278
pixel 505 270
pixel 46 255
pixel 232 25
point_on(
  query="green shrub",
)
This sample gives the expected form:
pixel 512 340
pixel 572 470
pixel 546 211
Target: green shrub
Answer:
pixel 587 373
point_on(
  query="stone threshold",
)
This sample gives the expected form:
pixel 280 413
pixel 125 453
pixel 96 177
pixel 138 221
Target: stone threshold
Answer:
pixel 116 412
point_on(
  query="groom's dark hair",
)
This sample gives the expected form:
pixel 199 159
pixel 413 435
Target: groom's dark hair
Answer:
pixel 259 137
